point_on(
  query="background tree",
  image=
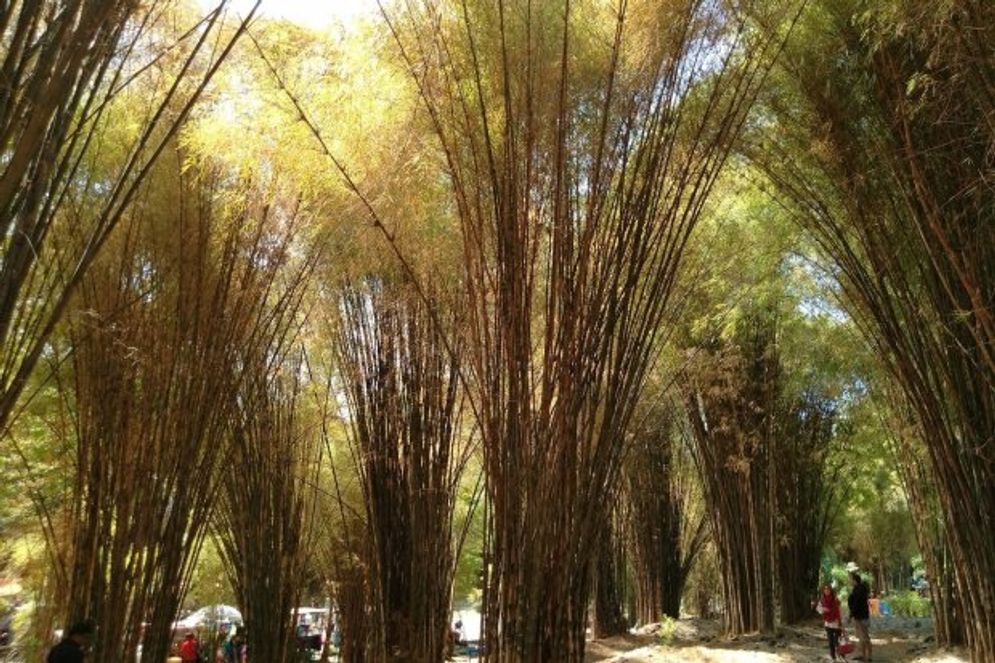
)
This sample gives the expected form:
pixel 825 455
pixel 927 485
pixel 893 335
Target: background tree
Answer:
pixel 807 499
pixel 610 577
pixel 667 526
pixel 732 402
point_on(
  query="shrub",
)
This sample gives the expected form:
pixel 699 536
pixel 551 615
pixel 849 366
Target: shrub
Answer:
pixel 908 604
pixel 668 629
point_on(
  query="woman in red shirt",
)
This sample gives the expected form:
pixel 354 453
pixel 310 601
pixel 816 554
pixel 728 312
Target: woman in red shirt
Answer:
pixel 190 649
pixel 832 619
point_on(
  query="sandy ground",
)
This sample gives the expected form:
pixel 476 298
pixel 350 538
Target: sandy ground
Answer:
pixel 699 641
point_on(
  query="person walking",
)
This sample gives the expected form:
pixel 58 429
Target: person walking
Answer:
pixel 73 647
pixel 860 614
pixel 829 607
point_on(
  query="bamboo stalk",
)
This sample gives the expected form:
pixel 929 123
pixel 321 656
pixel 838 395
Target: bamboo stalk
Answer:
pixel 897 196
pixel 576 194
pixel 402 387
pixel 157 338
pixel 62 71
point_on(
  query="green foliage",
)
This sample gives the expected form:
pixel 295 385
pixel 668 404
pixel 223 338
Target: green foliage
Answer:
pixel 668 629
pixel 702 590
pixel 470 565
pixel 909 604
pixel 875 529
pixel 836 573
pixel 209 584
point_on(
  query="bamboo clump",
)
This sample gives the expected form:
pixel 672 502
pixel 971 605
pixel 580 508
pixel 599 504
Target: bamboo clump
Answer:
pixel 158 335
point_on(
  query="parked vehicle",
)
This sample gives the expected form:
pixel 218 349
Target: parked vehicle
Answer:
pixel 311 626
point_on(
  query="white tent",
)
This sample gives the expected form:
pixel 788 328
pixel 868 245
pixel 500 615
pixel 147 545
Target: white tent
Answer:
pixel 211 614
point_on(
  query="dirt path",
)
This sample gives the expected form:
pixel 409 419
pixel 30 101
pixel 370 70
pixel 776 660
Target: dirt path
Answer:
pixel 699 641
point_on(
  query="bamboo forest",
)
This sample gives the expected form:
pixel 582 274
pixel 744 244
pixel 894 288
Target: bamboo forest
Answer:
pixel 512 331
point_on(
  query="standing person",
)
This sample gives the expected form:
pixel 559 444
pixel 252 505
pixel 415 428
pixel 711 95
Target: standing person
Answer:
pixel 229 648
pixel 73 647
pixel 829 607
pixel 860 614
pixel 190 649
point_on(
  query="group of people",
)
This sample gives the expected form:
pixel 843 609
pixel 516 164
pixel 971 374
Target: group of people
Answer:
pixel 858 604
pixel 72 648
pixel 231 649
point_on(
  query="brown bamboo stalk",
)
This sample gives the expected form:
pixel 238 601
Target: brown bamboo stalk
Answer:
pixel 731 397
pixel 666 525
pixel 265 519
pixel 402 387
pixel 898 198
pixel 610 567
pixel 575 201
pixel 157 334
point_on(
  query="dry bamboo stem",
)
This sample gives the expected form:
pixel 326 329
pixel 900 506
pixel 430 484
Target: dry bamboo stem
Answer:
pixel 898 197
pixel 157 337
pixel 575 198
pixel 402 386
pixel 731 399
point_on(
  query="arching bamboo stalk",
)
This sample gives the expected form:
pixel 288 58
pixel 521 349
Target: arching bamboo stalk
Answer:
pixel 63 67
pixel 885 156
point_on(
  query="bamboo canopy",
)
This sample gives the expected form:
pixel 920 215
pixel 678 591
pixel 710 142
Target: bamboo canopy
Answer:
pixel 64 67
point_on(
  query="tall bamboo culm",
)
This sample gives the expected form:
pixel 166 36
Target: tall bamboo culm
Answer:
pixel 156 333
pixel 578 172
pixel 666 528
pixel 731 396
pixel 884 152
pixel 266 511
pixel 400 378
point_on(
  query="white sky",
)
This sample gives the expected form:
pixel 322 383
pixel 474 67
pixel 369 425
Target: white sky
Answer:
pixel 311 13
